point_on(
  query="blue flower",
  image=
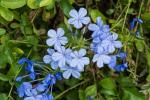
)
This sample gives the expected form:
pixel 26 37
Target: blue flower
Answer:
pixel 101 57
pixel 56 38
pixel 111 43
pixel 58 75
pixel 23 87
pixel 41 87
pixel 98 28
pixel 78 18
pixel 122 55
pixel 48 59
pixel 62 56
pixel 47 97
pixel 49 80
pixel 70 71
pixel 121 67
pixel 29 67
pixel 36 97
pixel 78 59
pixel 113 61
pixel 133 22
pixel 19 78
pixel 30 92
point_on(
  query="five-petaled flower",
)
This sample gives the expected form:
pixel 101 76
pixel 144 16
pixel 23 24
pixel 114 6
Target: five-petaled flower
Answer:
pixel 101 57
pixel 70 71
pixel 56 38
pixel 62 56
pixel 78 59
pixel 78 18
pixel 98 28
pixel 48 59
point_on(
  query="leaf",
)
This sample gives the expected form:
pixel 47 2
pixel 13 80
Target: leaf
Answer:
pixel 146 16
pixel 2 31
pixel 132 94
pixel 107 83
pixel 32 4
pixel 82 95
pixel 108 86
pixel 147 53
pixel 94 13
pixel 66 7
pixel 91 90
pixel 6 14
pixel 3 96
pixel 4 77
pixel 47 3
pixel 13 4
pixel 140 45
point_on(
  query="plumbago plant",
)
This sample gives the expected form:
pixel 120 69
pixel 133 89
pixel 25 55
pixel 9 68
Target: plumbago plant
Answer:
pixel 67 62
pixel 74 50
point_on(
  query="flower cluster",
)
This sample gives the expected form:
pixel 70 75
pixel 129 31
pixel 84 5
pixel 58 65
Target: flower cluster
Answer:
pixel 69 61
pixel 40 89
pixel 104 42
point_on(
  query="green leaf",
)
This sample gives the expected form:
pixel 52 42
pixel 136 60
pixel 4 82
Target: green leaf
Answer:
pixel 94 13
pixel 13 4
pixel 82 95
pixel 140 45
pixel 108 86
pixel 6 14
pixel 66 7
pixel 32 4
pixel 91 90
pixel 4 77
pixel 107 83
pixel 47 3
pixel 132 94
pixel 2 31
pixel 147 53
pixel 146 16
pixel 3 96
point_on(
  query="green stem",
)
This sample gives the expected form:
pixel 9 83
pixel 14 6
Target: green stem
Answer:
pixel 58 96
pixel 12 85
pixel 129 3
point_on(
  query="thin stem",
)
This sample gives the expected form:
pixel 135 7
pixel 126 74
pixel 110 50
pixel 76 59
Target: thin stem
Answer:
pixel 58 96
pixel 126 14
pixel 12 85
pixel 136 64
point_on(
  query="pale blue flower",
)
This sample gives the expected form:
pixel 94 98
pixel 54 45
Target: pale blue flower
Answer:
pixel 30 92
pixel 49 80
pixel 98 28
pixel 23 87
pixel 41 87
pixel 101 58
pixel 56 38
pixel 113 61
pixel 70 71
pixel 37 97
pixel 47 97
pixel 62 56
pixel 78 59
pixel 78 18
pixel 48 59
pixel 112 43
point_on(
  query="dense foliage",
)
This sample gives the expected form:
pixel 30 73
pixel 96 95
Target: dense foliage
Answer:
pixel 74 49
